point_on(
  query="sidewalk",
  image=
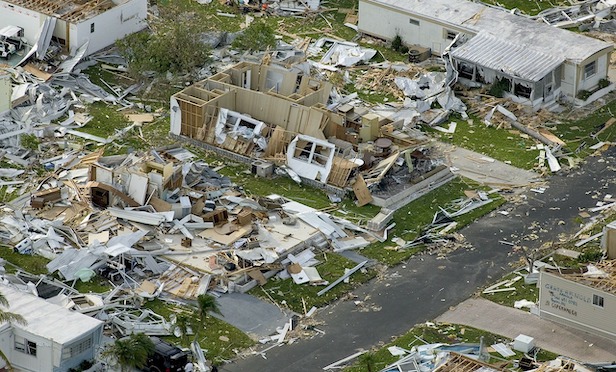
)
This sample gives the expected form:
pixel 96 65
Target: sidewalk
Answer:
pixel 509 322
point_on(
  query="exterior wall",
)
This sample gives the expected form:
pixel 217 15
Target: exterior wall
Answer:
pixel 48 353
pixel 591 82
pixel 571 303
pixel 87 354
pixel 392 22
pixel 44 359
pixel 15 15
pixel 5 93
pixel 110 26
pixel 568 79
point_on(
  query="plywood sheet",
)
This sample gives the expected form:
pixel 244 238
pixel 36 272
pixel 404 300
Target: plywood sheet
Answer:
pixel 361 191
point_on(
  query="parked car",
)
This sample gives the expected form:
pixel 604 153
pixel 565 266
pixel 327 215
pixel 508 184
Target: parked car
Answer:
pixel 166 358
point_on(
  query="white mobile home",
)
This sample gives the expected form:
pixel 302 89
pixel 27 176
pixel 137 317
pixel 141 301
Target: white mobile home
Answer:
pixel 54 339
pixel 98 22
pixel 584 299
pixel 536 62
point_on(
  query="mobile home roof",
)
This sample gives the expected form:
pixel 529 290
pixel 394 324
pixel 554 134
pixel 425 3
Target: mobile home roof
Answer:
pixel 520 30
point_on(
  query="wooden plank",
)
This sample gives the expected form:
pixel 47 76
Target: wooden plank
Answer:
pixel 361 192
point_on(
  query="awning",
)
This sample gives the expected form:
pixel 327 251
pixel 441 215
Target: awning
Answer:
pixel 509 58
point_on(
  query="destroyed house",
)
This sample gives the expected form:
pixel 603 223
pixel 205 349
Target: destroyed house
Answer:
pixel 534 62
pixel 267 108
pixel 583 299
pixel 54 339
pixel 266 114
pixel 71 24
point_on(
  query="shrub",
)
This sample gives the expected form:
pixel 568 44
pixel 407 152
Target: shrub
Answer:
pixel 590 256
pixel 396 43
pixel 404 49
pixel 583 95
pixel 499 87
pixel 258 36
pixel 603 83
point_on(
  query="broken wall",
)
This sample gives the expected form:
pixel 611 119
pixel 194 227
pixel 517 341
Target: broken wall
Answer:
pixel 16 15
pixel 104 29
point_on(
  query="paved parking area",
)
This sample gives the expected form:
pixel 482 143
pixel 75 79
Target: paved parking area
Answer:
pixel 509 322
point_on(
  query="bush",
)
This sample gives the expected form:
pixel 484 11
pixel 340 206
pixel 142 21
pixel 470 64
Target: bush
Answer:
pixel 583 95
pixel 396 43
pixel 258 36
pixel 590 256
pixel 499 87
pixel 404 49
pixel 603 83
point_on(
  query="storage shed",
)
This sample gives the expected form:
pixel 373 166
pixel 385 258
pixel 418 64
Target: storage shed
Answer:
pixel 534 61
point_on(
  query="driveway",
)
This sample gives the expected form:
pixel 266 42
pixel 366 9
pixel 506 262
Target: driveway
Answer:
pixel 425 287
pixel 509 322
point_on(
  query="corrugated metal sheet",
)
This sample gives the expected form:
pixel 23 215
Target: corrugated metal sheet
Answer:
pixel 512 59
pixel 476 17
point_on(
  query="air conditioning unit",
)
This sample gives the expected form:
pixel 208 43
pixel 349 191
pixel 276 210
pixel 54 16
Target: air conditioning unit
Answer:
pixel 418 53
pixel 262 168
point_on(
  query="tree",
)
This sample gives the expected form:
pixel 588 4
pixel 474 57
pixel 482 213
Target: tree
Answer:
pixel 8 317
pixel 172 45
pixel 131 352
pixel 368 360
pixel 257 36
pixel 205 305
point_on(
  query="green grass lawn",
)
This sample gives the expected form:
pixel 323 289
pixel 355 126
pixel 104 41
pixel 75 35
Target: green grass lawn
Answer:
pixel 287 293
pixel 221 340
pixel 577 133
pixel 33 264
pixel 412 218
pixel 436 333
pixel 499 144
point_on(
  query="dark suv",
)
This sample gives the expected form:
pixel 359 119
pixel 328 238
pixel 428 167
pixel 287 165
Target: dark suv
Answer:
pixel 166 358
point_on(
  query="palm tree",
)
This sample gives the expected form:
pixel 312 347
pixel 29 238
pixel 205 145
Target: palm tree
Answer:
pixel 368 360
pixel 7 317
pixel 205 305
pixel 131 352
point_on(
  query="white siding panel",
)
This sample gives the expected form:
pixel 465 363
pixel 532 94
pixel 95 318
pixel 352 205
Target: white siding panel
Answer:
pixel 110 26
pixel 571 303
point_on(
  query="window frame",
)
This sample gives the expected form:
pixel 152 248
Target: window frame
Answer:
pixel 598 301
pixel 25 346
pixel 414 22
pixel 449 34
pixel 590 69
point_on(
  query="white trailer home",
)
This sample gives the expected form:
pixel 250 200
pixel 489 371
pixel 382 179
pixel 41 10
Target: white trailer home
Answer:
pixel 75 22
pixel 54 339
pixel 536 62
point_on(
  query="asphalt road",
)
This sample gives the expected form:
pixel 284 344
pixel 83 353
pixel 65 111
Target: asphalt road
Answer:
pixel 426 287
